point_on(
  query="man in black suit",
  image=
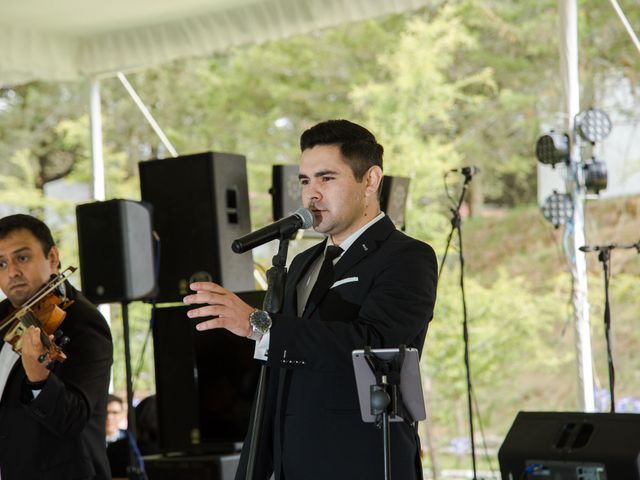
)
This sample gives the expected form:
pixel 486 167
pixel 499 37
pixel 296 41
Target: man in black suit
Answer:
pixel 381 293
pixel 52 422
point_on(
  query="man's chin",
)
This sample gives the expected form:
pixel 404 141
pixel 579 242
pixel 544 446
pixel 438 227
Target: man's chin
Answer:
pixel 18 297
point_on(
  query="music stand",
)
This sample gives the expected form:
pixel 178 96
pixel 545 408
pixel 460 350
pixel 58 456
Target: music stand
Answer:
pixel 389 390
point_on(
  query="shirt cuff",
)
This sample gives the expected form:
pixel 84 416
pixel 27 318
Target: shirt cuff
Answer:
pixel 262 347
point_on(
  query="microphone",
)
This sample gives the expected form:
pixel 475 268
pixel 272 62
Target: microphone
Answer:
pixel 589 248
pixel 471 170
pixel 301 218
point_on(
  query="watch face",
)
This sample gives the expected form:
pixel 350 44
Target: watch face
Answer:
pixel 260 321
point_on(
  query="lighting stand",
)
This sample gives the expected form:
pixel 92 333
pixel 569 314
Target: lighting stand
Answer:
pixel 273 301
pixel 456 226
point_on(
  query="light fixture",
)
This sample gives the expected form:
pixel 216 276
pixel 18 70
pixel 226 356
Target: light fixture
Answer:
pixel 553 148
pixel 557 208
pixel 594 125
pixel 595 176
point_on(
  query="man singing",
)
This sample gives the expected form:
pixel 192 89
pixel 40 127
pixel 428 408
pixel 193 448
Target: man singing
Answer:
pixel 380 292
pixel 52 421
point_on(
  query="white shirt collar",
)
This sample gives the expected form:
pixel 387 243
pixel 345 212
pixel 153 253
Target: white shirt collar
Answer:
pixel 354 236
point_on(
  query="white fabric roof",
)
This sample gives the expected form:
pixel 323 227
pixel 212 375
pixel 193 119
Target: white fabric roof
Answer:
pixel 72 39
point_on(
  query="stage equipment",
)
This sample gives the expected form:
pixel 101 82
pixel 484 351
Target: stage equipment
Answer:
pixel 285 227
pixel 205 382
pixel 393 199
pixel 115 242
pixel 571 446
pixel 595 176
pixel 200 204
pixel 285 190
pixel 604 256
pixel 456 226
pixel 593 125
pixel 201 467
pixel 558 208
pixel 389 390
pixel 553 148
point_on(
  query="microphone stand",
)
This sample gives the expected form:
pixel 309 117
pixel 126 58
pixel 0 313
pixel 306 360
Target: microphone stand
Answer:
pixel 456 226
pixel 273 301
pixel 604 256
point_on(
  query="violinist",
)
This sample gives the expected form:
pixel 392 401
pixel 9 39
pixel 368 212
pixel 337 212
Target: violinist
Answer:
pixel 52 414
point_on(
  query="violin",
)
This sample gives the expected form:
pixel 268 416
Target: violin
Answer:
pixel 45 310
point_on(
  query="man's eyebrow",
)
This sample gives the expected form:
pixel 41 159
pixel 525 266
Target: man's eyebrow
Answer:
pixel 17 252
pixel 321 173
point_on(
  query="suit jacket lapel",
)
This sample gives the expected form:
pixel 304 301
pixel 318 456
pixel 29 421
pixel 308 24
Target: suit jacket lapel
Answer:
pixel 361 248
pixel 295 276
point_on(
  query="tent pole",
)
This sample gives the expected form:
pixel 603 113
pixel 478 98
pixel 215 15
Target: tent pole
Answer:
pixel 575 187
pixel 97 161
pixel 147 114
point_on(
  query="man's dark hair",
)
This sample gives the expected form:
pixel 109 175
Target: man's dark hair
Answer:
pixel 38 228
pixel 114 398
pixel 358 146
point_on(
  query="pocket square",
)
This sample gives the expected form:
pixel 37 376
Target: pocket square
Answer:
pixel 345 280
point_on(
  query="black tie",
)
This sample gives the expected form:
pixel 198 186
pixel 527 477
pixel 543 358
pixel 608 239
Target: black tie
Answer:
pixel 325 276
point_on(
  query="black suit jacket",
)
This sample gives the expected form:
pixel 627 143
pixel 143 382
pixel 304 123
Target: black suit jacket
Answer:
pixel 384 297
pixel 61 433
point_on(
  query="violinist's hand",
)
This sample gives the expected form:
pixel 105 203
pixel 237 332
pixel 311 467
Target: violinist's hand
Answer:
pixel 32 348
pixel 230 312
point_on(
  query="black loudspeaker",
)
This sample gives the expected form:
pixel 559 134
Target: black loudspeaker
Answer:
pixel 115 244
pixel 205 382
pixel 200 205
pixel 205 467
pixel 285 190
pixel 572 446
pixel 393 199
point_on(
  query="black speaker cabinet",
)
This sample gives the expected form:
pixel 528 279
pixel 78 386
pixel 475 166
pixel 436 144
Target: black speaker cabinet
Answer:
pixel 205 382
pixel 393 199
pixel 200 205
pixel 572 446
pixel 285 190
pixel 205 467
pixel 116 251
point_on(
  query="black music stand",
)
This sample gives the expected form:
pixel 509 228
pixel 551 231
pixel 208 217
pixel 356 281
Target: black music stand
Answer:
pixel 389 390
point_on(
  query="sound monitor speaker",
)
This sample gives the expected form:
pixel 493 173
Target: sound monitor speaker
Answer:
pixel 205 382
pixel 200 205
pixel 285 190
pixel 115 244
pixel 204 467
pixel 572 446
pixel 393 199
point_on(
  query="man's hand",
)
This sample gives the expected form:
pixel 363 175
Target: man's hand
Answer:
pixel 230 312
pixel 32 348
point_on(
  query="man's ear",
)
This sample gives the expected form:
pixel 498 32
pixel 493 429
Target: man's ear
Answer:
pixel 374 179
pixel 54 258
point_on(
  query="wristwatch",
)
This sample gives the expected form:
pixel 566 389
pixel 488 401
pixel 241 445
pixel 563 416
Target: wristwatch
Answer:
pixel 260 324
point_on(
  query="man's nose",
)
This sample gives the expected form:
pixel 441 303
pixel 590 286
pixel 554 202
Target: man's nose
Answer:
pixel 313 192
pixel 14 270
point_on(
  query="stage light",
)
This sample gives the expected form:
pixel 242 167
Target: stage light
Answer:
pixel 557 208
pixel 594 125
pixel 553 148
pixel 595 176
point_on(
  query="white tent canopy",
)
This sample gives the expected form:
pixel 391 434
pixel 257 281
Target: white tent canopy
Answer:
pixel 74 39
